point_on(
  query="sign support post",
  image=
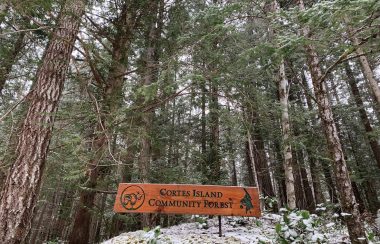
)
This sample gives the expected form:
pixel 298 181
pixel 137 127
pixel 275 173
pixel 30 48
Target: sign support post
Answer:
pixel 220 225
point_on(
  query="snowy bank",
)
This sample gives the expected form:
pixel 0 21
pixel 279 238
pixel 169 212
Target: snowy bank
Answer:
pixel 235 230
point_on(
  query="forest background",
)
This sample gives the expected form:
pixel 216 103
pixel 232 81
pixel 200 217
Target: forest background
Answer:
pixel 283 95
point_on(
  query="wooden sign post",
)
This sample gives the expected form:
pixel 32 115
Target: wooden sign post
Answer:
pixel 188 199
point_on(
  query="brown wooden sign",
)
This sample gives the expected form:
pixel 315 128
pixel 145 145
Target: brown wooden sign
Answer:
pixel 188 199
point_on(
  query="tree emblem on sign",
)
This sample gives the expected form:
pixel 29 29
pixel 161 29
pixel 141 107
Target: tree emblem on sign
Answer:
pixel 132 197
pixel 246 202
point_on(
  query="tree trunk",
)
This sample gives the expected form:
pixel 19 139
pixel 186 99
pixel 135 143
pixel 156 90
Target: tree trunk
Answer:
pixel 287 150
pixel 367 71
pixel 204 134
pixel 59 223
pixel 250 162
pixel 308 192
pixel 316 180
pixel 37 232
pixel 279 171
pixel 298 187
pixel 261 165
pixel 363 114
pixel 347 200
pixel 112 100
pixel 314 167
pixel 230 150
pixel 149 76
pixel 82 219
pixel 346 196
pixel 20 192
pixel 214 158
pixel 100 219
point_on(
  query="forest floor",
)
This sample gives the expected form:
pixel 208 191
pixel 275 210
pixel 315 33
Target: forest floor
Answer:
pixel 235 230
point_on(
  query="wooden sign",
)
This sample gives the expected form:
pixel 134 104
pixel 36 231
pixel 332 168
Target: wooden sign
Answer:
pixel 188 199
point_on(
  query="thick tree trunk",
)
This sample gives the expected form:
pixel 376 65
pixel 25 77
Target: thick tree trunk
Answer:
pixel 347 200
pixel 22 186
pixel 346 196
pixel 325 168
pixel 287 150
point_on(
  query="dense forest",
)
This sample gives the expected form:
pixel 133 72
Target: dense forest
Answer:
pixel 279 94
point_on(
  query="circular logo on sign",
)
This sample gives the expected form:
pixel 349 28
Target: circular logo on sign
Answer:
pixel 132 197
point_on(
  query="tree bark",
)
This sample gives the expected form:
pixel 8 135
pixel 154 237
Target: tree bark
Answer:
pixel 367 71
pixel 279 171
pixel 20 192
pixel 230 150
pixel 314 165
pixel 203 162
pixel 346 196
pixel 347 200
pixel 308 192
pixel 287 150
pixel 250 162
pixel 298 187
pixel 214 158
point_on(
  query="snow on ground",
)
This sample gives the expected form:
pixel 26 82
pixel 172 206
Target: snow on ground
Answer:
pixel 235 230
